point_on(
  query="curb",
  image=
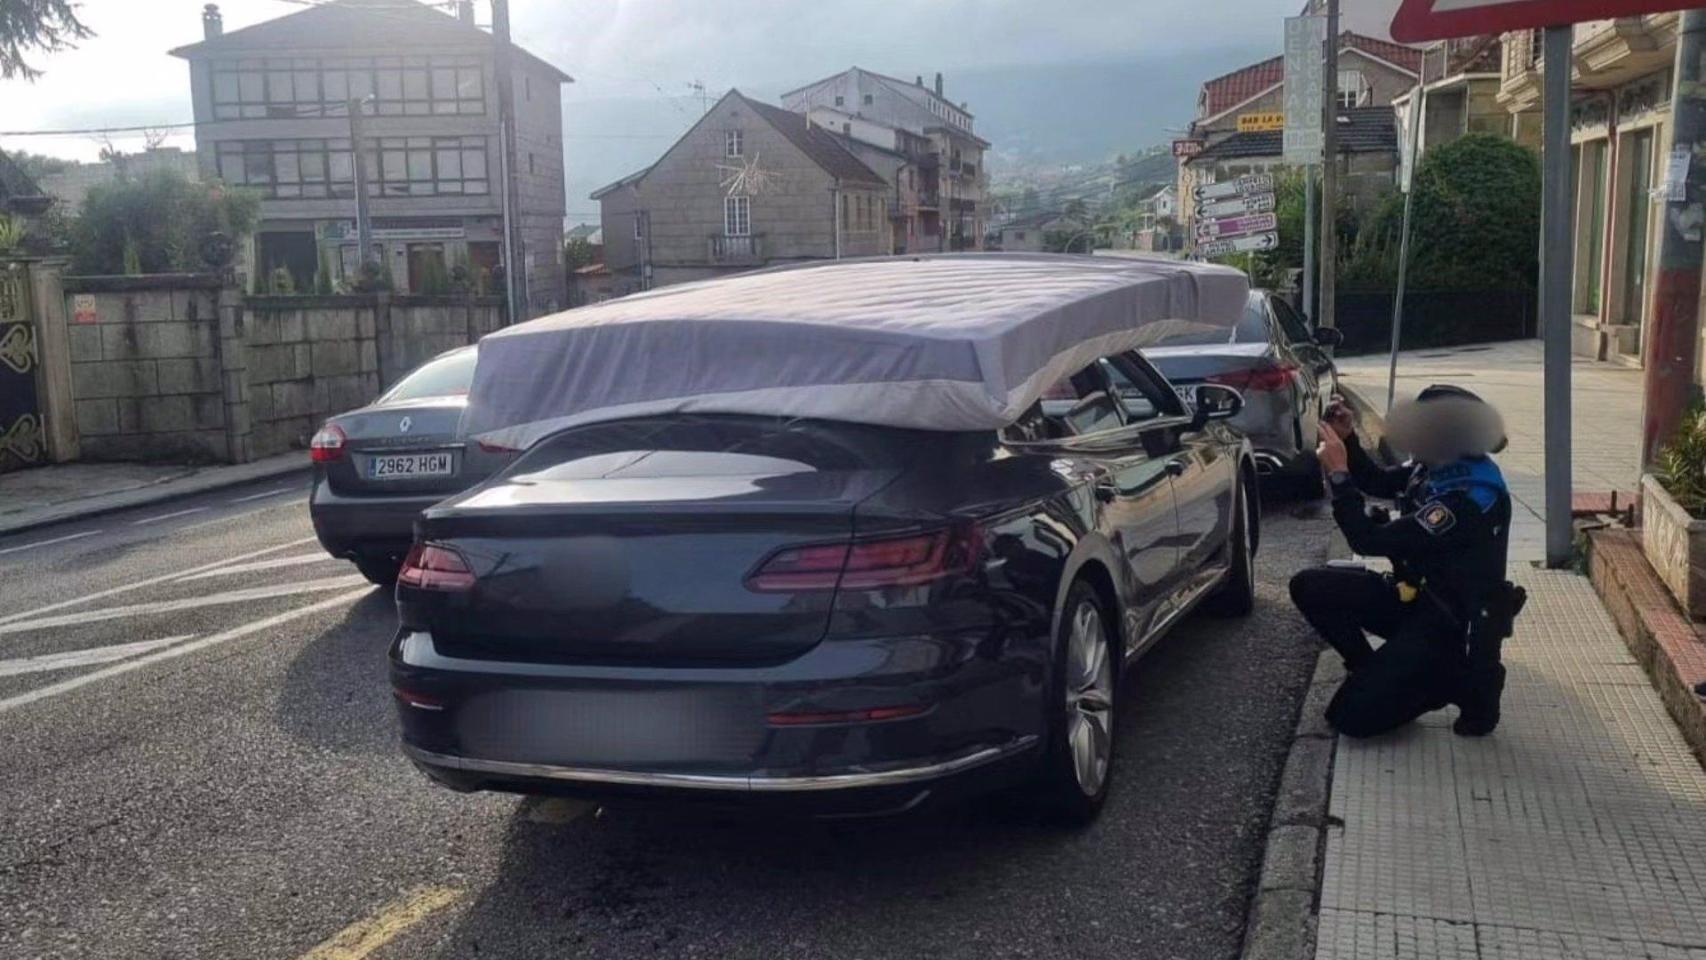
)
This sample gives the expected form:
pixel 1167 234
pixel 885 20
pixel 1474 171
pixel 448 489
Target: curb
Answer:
pixel 161 491
pixel 1282 917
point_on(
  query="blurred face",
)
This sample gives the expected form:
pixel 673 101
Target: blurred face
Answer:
pixel 1441 431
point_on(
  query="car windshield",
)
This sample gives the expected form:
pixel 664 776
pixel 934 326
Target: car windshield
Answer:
pixel 1252 328
pixel 446 376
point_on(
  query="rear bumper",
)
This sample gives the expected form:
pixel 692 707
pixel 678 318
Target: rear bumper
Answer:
pixel 366 524
pixel 706 734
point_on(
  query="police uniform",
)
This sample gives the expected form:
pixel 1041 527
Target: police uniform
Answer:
pixel 1442 611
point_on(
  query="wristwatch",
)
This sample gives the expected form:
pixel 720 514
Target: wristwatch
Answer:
pixel 1338 477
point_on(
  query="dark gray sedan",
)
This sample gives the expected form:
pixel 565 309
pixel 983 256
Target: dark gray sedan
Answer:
pixel 1280 365
pixel 377 467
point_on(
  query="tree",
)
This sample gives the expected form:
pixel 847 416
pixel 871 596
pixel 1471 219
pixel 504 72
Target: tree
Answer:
pixel 45 25
pixel 1475 223
pixel 36 165
pixel 156 223
pixel 577 253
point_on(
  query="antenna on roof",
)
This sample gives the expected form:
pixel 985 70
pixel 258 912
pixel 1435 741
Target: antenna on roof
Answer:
pixel 698 86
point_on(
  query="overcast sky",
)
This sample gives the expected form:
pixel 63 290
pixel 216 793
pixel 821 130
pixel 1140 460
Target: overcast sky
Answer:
pixel 648 48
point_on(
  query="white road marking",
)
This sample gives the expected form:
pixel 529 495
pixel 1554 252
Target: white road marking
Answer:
pixel 227 518
pixel 264 493
pixel 84 658
pixel 185 603
pixel 66 686
pixel 166 516
pixel 149 582
pixel 254 565
pixel 44 543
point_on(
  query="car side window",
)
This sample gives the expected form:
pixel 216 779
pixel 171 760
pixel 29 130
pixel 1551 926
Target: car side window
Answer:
pixel 1073 406
pixel 1139 393
pixel 1296 330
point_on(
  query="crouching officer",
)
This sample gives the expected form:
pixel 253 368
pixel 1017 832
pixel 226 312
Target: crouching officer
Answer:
pixel 1446 607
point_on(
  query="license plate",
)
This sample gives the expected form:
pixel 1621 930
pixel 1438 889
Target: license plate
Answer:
pixel 408 466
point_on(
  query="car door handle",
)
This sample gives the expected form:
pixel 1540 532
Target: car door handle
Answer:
pixel 1176 467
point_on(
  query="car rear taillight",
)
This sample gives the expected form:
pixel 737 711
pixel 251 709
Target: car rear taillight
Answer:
pixel 431 566
pixel 867 564
pixel 1258 378
pixel 328 444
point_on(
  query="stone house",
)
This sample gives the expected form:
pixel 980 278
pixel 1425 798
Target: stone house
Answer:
pixel 1621 135
pixel 272 114
pixel 749 184
pixel 943 203
pixel 1025 234
pixel 1372 73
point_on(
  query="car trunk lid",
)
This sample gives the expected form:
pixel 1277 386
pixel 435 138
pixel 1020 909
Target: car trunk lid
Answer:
pixel 402 448
pixel 633 541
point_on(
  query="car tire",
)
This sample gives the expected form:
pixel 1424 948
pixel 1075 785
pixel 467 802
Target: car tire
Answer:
pixel 1237 596
pixel 379 571
pixel 1078 763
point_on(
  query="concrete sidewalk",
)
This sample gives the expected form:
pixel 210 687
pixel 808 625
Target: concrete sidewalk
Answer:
pixel 1577 830
pixel 60 492
pixel 1605 418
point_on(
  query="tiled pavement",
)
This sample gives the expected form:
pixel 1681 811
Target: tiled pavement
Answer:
pixel 1606 418
pixel 1577 830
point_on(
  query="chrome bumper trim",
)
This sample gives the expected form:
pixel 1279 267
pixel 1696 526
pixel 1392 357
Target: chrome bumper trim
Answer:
pixel 746 784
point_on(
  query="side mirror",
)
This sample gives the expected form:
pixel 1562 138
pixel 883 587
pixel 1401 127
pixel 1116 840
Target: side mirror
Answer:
pixel 1329 337
pixel 1215 401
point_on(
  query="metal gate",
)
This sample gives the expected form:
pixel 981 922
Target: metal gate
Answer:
pixel 21 439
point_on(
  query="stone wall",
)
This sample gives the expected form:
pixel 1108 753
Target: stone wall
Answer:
pixel 145 367
pixel 176 368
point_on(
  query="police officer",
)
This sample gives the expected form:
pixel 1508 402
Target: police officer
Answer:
pixel 1445 607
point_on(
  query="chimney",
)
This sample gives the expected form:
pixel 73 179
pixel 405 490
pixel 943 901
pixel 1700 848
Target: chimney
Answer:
pixel 938 83
pixel 212 24
pixel 920 80
pixel 465 11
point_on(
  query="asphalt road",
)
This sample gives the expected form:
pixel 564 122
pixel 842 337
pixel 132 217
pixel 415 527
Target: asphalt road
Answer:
pixel 198 760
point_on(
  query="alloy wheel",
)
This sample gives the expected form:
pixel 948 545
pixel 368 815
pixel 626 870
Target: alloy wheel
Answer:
pixel 1089 699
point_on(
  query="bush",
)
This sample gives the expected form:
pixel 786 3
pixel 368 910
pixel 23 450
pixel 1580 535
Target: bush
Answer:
pixel 156 223
pixel 434 280
pixel 1475 223
pixel 1681 463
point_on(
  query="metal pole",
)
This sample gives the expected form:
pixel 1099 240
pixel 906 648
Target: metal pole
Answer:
pixel 1669 339
pixel 1309 241
pixel 1557 253
pixel 515 264
pixel 1330 172
pixel 363 223
pixel 1417 105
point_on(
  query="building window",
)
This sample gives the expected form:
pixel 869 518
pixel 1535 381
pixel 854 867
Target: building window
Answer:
pixel 841 101
pixel 868 99
pixel 1018 234
pixel 732 143
pixel 322 87
pixel 1353 89
pixel 846 213
pixel 737 216
pixel 639 226
pixel 396 166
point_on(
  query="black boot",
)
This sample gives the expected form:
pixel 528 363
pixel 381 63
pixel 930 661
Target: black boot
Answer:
pixel 1478 713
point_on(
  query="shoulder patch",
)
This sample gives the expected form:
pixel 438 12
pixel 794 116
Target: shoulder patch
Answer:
pixel 1436 518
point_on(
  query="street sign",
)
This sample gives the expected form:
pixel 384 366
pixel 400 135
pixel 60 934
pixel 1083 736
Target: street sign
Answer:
pixel 1238 206
pixel 1183 149
pixel 1260 122
pixel 1418 21
pixel 1242 187
pixel 1256 242
pixel 1229 227
pixel 1304 39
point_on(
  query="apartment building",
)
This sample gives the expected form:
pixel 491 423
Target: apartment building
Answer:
pixel 1621 135
pixel 938 182
pixel 748 185
pixel 272 113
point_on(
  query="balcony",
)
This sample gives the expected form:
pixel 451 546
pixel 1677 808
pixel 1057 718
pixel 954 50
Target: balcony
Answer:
pixel 1606 53
pixel 929 199
pixel 736 250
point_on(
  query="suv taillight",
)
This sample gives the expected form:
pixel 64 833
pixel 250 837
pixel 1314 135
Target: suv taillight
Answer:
pixel 431 566
pixel 328 444
pixel 867 564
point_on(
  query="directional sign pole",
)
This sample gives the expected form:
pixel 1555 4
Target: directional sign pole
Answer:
pixel 1415 156
pixel 1557 253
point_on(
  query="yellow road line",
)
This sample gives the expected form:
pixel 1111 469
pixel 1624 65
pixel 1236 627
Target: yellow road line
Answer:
pixel 362 938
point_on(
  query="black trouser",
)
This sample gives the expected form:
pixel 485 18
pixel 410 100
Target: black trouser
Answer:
pixel 1419 669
